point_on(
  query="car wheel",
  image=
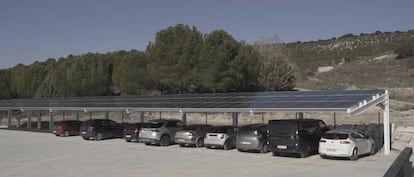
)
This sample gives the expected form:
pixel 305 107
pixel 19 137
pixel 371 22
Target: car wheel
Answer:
pixel 305 152
pixel 208 147
pixel 227 145
pixel 127 140
pixel 240 150
pixel 275 153
pixel 323 156
pixel 264 148
pixel 98 136
pixel 147 143
pixel 66 133
pixel 165 140
pixel 181 145
pixel 85 138
pixel 373 149
pixel 200 143
pixel 354 155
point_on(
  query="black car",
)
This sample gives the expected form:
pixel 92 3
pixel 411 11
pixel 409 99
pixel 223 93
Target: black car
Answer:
pixel 99 129
pixel 295 136
pixel 252 137
pixel 131 131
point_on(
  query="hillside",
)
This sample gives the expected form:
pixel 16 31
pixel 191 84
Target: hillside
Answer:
pixel 308 56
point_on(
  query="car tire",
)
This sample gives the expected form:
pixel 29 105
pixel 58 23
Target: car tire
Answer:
pixel 373 150
pixel 323 156
pixel 147 143
pixel 127 140
pixel 85 138
pixel 181 145
pixel 240 150
pixel 354 155
pixel 66 133
pixel 305 152
pixel 264 148
pixel 98 137
pixel 207 147
pixel 227 145
pixel 200 142
pixel 275 153
pixel 164 140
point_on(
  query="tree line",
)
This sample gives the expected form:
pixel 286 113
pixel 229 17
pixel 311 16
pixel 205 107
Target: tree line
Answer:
pixel 181 60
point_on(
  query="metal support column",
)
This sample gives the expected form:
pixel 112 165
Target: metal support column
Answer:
pixel 9 116
pixel 142 117
pixel 334 120
pixel 51 120
pixel 300 115
pixel 29 119
pixel 106 115
pixel 1 118
pixel 235 119
pixel 39 120
pixel 387 136
pixel 19 116
pixel 90 115
pixel 63 115
pixel 262 118
pixel 206 117
pixel 160 114
pixel 77 115
pixel 122 116
pixel 184 117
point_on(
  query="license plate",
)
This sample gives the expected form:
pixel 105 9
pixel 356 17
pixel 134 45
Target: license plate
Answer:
pixel 127 136
pixel 331 150
pixel 180 140
pixel 244 142
pixel 281 147
pixel 83 133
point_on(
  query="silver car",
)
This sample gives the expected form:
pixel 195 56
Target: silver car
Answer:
pixel 221 137
pixel 160 132
pixel 192 135
pixel 252 137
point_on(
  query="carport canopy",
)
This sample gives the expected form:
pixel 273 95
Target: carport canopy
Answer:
pixel 352 102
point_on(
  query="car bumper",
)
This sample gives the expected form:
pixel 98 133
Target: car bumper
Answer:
pixel 131 137
pixel 150 141
pixel 335 152
pixel 283 148
pixel 88 135
pixel 190 141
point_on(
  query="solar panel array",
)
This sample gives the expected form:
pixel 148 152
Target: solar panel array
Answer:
pixel 211 102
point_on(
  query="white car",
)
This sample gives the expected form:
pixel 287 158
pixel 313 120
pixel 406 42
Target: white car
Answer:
pixel 346 143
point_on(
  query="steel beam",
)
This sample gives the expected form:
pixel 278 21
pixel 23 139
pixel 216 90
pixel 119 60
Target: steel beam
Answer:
pixel 387 136
pixel 29 119
pixel 51 121
pixel 142 117
pixel 39 120
pixel 235 119
pixel 9 117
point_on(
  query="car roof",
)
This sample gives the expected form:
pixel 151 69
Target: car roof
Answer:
pixel 295 120
pixel 164 120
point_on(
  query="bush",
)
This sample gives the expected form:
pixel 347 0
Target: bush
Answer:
pixel 405 49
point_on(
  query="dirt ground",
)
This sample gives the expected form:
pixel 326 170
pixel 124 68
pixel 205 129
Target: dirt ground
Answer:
pixel 28 154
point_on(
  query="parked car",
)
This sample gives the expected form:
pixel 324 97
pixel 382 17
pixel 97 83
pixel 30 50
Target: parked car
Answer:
pixel 67 128
pixel 99 129
pixel 192 135
pixel 160 132
pixel 346 143
pixel 252 137
pixel 131 131
pixel 295 136
pixel 221 137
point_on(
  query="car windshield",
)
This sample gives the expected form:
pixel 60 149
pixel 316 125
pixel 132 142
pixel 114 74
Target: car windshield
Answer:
pixel 335 136
pixel 154 125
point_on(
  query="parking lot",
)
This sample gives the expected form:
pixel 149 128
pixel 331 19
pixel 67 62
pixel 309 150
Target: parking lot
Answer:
pixel 43 154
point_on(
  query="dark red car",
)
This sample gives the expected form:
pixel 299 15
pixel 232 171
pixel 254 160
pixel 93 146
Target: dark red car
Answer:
pixel 67 128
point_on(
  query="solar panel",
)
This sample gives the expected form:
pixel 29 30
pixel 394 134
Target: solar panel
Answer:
pixel 299 100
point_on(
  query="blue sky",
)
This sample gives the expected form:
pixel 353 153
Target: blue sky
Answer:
pixel 33 30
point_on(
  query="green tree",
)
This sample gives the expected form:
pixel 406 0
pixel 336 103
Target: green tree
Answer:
pixel 275 72
pixel 217 74
pixel 5 84
pixel 173 57
pixel 130 75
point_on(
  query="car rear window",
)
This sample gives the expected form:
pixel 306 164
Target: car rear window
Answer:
pixel 154 125
pixel 219 130
pixel 335 136
pixel 283 127
pixel 192 127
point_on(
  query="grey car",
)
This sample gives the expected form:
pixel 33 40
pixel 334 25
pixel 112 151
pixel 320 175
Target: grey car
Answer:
pixel 192 135
pixel 252 137
pixel 160 132
pixel 221 137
